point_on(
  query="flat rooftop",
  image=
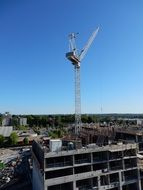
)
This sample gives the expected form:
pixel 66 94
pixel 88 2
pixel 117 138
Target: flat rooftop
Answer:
pixel 88 149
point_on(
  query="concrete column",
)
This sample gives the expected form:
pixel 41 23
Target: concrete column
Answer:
pixel 120 180
pixel 108 167
pixel 123 164
pixel 139 180
pixel 136 138
pixel 91 168
pixel 74 185
pixel 74 182
pixel 99 183
pixel 91 161
pixel 73 160
pixel 108 161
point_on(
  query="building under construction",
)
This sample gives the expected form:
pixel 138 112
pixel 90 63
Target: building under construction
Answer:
pixel 62 164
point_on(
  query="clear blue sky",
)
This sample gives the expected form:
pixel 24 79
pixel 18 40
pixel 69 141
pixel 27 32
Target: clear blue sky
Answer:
pixel 35 76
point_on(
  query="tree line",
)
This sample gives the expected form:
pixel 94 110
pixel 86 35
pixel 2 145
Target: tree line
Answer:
pixel 62 120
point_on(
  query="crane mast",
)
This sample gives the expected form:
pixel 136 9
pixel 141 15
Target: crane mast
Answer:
pixel 76 58
pixel 77 100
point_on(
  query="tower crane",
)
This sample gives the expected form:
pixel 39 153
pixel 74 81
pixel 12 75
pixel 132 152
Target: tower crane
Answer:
pixel 76 59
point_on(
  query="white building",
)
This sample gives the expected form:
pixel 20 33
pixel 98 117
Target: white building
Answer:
pixel 23 121
pixel 6 131
pixel 6 119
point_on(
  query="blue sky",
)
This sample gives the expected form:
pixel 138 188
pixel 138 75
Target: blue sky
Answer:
pixel 35 76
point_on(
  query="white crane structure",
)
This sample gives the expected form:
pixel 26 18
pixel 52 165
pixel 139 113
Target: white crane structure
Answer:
pixel 76 59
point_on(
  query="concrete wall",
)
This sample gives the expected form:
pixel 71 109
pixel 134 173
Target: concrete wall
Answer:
pixel 37 178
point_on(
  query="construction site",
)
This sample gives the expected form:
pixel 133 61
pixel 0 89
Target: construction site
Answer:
pixel 91 156
pixel 61 164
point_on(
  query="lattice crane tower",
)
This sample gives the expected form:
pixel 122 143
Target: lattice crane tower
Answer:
pixel 76 59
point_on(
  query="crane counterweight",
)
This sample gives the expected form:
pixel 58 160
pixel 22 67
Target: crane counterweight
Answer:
pixel 73 58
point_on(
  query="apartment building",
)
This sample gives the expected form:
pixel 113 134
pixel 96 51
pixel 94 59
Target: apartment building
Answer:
pixel 92 167
pixel 23 121
pixel 6 119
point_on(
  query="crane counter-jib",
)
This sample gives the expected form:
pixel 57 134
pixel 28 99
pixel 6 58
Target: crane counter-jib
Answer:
pixel 72 57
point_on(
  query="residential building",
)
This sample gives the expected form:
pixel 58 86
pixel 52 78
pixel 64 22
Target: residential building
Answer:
pixel 6 119
pixel 23 121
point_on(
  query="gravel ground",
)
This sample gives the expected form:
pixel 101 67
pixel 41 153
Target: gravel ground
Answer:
pixel 14 176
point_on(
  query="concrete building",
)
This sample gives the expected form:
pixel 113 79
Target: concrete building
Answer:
pixel 140 122
pixel 6 131
pixel 131 134
pixel 108 167
pixel 6 119
pixel 23 121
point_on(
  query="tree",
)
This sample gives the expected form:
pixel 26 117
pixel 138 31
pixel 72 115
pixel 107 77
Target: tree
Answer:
pixel 58 133
pixel 13 138
pixel 26 141
pixel 1 140
pixel 21 127
pixel 0 120
pixel 14 121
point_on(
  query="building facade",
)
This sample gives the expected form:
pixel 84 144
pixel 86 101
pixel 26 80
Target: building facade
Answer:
pixel 109 167
pixel 6 119
pixel 23 121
